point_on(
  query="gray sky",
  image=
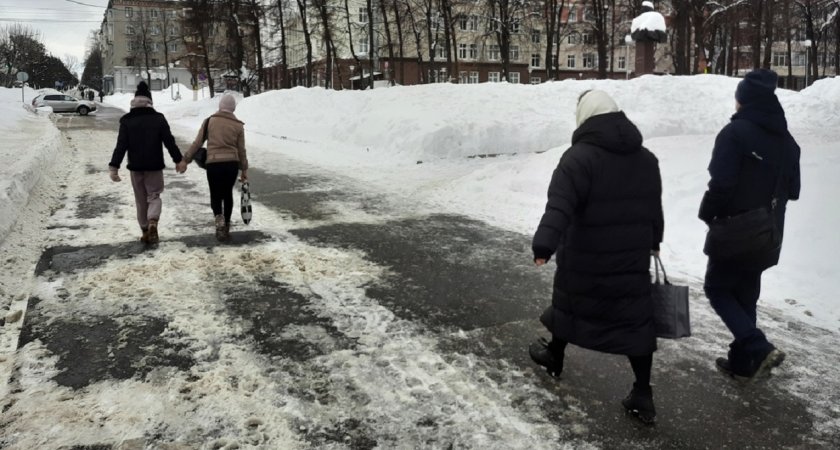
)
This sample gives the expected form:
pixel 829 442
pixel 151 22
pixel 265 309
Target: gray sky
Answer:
pixel 64 26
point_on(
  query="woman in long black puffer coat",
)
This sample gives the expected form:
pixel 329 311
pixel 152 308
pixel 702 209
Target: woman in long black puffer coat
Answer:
pixel 603 219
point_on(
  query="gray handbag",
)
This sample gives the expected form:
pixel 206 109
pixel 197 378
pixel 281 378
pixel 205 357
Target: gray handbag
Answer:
pixel 670 305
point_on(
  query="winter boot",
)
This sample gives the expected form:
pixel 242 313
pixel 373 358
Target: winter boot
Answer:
pixel 153 232
pixel 145 237
pixel 639 403
pixel 547 355
pixel 226 232
pixel 220 228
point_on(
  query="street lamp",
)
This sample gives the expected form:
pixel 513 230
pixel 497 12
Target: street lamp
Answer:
pixel 807 44
pixel 627 41
pixel 352 74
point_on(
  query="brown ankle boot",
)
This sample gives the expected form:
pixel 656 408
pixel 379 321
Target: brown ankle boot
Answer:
pixel 220 227
pixel 145 237
pixel 153 232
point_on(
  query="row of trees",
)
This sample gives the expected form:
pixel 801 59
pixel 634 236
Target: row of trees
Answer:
pixel 721 36
pixel 21 50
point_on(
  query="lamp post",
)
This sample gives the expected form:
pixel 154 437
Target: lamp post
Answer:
pixel 352 74
pixel 627 41
pixel 807 44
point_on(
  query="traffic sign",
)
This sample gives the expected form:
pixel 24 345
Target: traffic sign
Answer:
pixel 22 76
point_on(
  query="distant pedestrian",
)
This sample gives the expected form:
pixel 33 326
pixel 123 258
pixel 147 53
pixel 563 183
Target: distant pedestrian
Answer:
pixel 755 163
pixel 90 94
pixel 603 219
pixel 101 95
pixel 142 131
pixel 226 156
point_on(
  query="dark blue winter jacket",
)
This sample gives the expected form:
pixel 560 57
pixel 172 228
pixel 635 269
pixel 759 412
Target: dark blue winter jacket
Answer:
pixel 751 153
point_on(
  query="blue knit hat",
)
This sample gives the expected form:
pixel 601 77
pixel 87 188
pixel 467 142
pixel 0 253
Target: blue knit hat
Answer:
pixel 756 85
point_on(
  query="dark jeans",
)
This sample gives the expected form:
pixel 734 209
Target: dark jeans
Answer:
pixel 221 177
pixel 734 294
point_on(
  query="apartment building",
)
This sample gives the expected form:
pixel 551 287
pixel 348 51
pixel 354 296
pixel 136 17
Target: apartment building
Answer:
pixel 475 53
pixel 143 39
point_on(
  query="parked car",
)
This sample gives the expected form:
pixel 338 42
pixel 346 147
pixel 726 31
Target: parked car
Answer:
pixel 64 103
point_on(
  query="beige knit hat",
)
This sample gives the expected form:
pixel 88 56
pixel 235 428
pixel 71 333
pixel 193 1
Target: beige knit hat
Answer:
pixel 593 103
pixel 227 103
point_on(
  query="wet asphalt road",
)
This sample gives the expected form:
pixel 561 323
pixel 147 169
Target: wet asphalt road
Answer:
pixel 448 273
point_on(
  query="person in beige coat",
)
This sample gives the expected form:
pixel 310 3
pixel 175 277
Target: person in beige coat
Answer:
pixel 226 157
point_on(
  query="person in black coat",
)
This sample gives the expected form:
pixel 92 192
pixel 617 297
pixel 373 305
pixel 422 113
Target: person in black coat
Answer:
pixel 142 131
pixel 755 163
pixel 603 220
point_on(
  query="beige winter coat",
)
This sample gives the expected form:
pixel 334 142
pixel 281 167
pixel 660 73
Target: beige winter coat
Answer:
pixel 225 140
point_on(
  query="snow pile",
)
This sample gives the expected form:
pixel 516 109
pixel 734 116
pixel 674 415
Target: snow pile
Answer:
pixel 178 93
pixel 29 143
pixel 650 20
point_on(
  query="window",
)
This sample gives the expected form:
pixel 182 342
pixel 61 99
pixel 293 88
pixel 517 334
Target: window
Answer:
pixel 468 23
pixel 493 77
pixel 588 14
pixel 573 38
pixel 573 14
pixel 155 62
pixel 363 45
pixel 622 63
pixel 513 77
pixel 129 30
pixel 363 16
pixel 173 30
pixel 473 51
pixel 155 30
pixel 173 46
pixel 515 27
pixel 535 59
pixel 462 77
pixel 535 37
pixel 130 46
pixel 155 47
pixel 779 58
pixel 798 59
pixel 462 51
pixel 129 61
pixel 129 11
pixel 473 78
pixel 535 80
pixel 514 53
pixel 493 25
pixel 588 60
pixel 554 61
pixel 493 53
pixel 570 61
pixel 588 39
pixel 171 14
pixel 153 13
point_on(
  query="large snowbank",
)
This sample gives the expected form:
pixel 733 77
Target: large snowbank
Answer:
pixel 29 143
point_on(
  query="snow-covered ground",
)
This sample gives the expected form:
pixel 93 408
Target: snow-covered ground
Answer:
pixel 428 142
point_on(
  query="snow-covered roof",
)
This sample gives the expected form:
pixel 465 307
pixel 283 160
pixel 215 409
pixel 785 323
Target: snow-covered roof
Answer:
pixel 650 20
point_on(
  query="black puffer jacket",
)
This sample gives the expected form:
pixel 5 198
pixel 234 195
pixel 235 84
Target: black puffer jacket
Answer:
pixel 753 154
pixel 603 217
pixel 142 131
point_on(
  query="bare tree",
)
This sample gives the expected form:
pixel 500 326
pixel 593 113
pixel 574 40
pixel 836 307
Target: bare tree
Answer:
pixel 200 21
pixel 18 45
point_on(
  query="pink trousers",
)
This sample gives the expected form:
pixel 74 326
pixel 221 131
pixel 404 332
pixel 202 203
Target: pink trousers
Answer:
pixel 147 189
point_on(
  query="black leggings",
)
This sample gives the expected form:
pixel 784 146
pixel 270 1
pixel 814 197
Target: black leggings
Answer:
pixel 642 365
pixel 221 177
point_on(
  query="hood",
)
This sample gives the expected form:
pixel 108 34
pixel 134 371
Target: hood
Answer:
pixel 613 132
pixel 766 113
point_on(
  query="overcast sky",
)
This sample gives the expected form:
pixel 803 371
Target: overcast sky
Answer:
pixel 64 25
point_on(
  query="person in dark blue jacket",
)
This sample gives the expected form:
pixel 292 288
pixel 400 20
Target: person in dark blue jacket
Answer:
pixel 142 131
pixel 755 160
pixel 602 220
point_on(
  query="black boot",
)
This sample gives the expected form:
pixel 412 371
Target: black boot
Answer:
pixel 639 403
pixel 548 355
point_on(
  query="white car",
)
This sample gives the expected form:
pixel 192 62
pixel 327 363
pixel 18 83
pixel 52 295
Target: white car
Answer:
pixel 64 103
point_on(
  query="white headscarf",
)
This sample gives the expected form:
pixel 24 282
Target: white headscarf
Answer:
pixel 593 103
pixel 227 103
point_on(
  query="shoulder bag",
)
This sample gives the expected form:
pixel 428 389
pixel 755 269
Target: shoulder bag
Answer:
pixel 200 156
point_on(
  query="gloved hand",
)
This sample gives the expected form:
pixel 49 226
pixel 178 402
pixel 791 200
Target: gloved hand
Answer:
pixel 114 173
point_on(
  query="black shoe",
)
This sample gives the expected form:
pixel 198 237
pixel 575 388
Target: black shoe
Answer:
pixel 542 354
pixel 639 403
pixel 725 367
pixel 774 358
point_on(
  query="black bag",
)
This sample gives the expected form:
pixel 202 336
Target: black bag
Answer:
pixel 744 236
pixel 670 306
pixel 200 156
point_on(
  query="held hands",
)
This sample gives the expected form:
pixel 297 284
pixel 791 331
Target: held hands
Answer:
pixel 539 262
pixel 114 174
pixel 244 177
pixel 181 167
